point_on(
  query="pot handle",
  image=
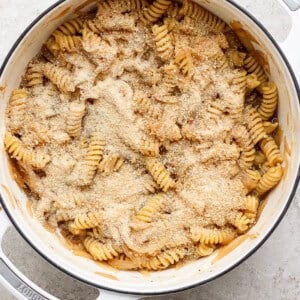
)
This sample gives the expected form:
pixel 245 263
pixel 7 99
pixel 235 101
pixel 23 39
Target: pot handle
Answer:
pixel 10 277
pixel 289 46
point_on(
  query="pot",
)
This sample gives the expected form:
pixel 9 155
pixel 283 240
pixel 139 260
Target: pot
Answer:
pixel 122 284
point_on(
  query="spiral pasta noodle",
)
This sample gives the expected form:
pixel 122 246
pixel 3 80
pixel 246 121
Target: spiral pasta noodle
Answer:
pixel 255 125
pixel 86 221
pixel 163 42
pixel 94 156
pixel 160 174
pixel 111 163
pixel 251 204
pixel 152 206
pixel 34 76
pixel 185 62
pixel 156 10
pixel 239 82
pixel 241 222
pixel 271 151
pixel 205 250
pixel 17 106
pixel 145 107
pixel 170 77
pixel 123 262
pixel 76 113
pixel 251 179
pixel 98 250
pixel 195 11
pixel 269 180
pixel 164 259
pixel 215 111
pixel 243 139
pixel 269 101
pixel 69 43
pixel 213 237
pixel 60 77
pixel 90 40
pixel 270 127
pixel 71 27
pixel 17 150
pixel 150 147
pixel 252 66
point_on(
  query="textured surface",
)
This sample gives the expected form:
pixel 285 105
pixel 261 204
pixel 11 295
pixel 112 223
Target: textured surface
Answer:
pixel 273 272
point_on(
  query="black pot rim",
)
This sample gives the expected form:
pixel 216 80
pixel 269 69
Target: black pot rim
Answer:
pixel 99 286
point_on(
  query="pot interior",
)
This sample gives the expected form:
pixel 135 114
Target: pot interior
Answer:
pixel 59 253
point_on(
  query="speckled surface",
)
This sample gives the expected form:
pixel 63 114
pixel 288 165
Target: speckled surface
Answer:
pixel 273 272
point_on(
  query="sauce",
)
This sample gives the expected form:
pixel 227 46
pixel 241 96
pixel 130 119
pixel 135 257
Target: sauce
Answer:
pixel 29 208
pixel 82 253
pixel 48 227
pixel 223 251
pixel 287 148
pixel 15 173
pixel 107 276
pixel 10 196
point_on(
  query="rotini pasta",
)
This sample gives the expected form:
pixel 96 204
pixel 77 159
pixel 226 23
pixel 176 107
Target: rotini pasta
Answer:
pixel 164 259
pixel 193 10
pixel 34 76
pixel 76 113
pixel 71 27
pixel 123 262
pixel 243 139
pixel 60 77
pixel 271 151
pixel 67 43
pixel 251 204
pixel 205 250
pixel 156 10
pixel 17 107
pixel 270 127
pixel 86 221
pixel 145 107
pixel 152 206
pixel 184 61
pixel 252 66
pixel 98 250
pixel 255 125
pixel 213 237
pixel 94 156
pixel 269 180
pixel 150 147
pixel 17 150
pixel 163 42
pixel 160 174
pixel 269 101
pixel 241 222
pixel 111 163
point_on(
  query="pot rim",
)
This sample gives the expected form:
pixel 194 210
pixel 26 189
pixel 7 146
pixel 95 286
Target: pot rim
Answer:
pixel 171 290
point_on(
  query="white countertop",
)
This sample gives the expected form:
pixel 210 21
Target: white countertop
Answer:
pixel 273 272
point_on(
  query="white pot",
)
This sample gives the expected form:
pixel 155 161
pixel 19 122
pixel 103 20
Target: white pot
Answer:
pixel 134 283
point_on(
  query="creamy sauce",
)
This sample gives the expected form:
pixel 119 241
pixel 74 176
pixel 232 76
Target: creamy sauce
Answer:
pixel 223 251
pixel 287 148
pixel 15 173
pixel 261 207
pixel 49 227
pixel 10 196
pixel 29 208
pixel 107 276
pixel 82 253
